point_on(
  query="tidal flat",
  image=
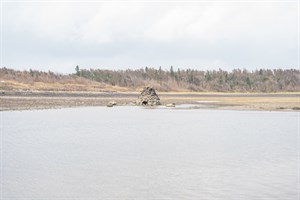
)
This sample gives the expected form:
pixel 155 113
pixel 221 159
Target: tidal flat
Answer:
pixel 29 100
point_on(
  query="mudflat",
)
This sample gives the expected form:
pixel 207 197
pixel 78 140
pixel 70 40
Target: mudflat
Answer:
pixel 27 100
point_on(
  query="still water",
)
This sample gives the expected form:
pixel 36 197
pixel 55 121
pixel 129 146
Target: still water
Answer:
pixel 139 153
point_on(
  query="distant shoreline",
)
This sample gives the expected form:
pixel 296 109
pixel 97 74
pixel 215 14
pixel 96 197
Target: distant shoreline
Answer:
pixel 189 80
pixel 32 100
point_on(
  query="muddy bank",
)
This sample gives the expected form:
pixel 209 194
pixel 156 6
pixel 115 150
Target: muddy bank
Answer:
pixel 46 100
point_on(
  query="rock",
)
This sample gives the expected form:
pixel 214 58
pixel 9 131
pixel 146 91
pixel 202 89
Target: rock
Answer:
pixel 109 104
pixel 135 103
pixel 148 97
pixel 170 105
pixel 113 103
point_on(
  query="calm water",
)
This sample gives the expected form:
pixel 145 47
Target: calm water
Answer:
pixel 138 153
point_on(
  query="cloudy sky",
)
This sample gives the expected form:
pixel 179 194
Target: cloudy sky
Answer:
pixel 59 35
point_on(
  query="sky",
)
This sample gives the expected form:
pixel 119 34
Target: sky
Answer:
pixel 203 35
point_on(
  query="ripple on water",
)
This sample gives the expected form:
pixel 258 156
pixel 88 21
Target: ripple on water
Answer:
pixel 136 153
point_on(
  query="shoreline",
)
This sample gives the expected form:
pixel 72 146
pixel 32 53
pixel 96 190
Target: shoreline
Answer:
pixel 36 100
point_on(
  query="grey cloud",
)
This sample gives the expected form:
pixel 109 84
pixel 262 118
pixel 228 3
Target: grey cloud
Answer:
pixel 273 46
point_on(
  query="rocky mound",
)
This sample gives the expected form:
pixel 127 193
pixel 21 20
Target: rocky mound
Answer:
pixel 148 97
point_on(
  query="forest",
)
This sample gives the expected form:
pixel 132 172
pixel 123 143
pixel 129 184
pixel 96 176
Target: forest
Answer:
pixel 237 80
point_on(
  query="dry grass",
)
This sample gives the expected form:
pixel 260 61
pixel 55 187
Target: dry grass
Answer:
pixel 248 103
pixel 11 85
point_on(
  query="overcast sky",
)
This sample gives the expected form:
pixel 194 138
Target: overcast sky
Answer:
pixel 58 36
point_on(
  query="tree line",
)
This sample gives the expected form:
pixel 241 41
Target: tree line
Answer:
pixel 237 80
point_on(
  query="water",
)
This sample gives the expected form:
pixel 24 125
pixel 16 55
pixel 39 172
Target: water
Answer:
pixel 137 153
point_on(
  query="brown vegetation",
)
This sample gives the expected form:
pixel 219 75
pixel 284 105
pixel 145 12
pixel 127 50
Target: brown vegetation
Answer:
pixel 48 81
pixel 263 80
